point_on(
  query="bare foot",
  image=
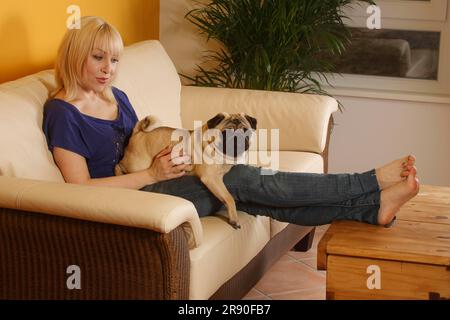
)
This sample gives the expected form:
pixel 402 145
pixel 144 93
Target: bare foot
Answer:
pixel 393 198
pixel 394 172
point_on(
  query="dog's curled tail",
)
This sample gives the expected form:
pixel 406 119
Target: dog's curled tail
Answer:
pixel 147 124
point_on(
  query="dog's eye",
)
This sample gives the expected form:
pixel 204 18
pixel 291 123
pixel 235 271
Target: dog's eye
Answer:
pixel 212 123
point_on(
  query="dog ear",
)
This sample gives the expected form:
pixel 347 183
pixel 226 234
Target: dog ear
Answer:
pixel 252 121
pixel 212 123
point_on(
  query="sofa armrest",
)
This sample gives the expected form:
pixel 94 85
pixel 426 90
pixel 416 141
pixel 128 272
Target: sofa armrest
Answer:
pixel 130 208
pixel 301 118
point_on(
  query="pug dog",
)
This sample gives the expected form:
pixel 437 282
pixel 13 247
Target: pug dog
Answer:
pixel 230 139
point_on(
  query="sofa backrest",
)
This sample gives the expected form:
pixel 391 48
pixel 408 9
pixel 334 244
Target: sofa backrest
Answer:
pixel 23 149
pixel 149 78
pixel 146 75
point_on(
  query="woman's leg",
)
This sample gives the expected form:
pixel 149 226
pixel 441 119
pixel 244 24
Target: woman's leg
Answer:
pixel 314 199
pixel 364 208
pixel 361 208
pixel 292 189
pixel 284 189
pixel 377 207
pixel 189 188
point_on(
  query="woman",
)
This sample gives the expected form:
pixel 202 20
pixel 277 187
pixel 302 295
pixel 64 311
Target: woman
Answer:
pixel 88 123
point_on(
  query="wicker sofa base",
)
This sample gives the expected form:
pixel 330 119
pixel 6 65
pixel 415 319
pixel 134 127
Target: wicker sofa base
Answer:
pixel 115 262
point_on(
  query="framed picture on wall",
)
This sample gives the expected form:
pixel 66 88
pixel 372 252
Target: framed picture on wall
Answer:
pixel 408 58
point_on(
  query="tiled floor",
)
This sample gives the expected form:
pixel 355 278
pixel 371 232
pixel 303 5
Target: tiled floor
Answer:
pixel 293 277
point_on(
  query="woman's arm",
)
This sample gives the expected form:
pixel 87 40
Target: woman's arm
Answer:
pixel 74 169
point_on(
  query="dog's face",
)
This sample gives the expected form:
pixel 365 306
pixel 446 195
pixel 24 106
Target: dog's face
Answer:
pixel 236 129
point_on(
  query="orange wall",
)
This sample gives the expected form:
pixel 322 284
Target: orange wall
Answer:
pixel 30 30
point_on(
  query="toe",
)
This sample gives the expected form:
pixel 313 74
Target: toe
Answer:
pixel 413 187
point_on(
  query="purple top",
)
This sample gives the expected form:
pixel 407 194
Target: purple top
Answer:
pixel 101 142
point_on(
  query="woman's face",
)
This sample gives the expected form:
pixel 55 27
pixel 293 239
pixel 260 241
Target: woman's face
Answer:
pixel 99 70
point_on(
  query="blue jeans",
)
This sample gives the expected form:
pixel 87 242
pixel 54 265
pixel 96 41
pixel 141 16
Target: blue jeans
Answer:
pixel 308 199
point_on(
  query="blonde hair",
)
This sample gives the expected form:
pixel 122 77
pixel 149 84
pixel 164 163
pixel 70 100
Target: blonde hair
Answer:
pixel 76 47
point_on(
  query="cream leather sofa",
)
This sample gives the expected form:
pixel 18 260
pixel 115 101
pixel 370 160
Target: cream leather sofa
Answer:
pixel 128 244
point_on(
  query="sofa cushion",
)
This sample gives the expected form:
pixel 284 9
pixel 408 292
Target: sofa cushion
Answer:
pixel 147 75
pixel 225 251
pixel 23 147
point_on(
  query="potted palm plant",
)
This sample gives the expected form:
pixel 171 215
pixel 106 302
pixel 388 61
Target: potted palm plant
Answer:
pixel 278 45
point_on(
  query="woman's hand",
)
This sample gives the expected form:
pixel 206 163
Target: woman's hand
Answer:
pixel 164 167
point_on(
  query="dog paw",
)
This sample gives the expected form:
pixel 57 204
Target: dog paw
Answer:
pixel 235 224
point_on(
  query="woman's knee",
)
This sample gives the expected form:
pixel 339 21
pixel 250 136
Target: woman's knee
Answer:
pixel 240 174
pixel 177 187
pixel 189 188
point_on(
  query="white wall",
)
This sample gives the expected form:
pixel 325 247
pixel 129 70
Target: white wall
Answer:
pixel 368 133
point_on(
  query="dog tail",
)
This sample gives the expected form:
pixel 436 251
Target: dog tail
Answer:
pixel 147 124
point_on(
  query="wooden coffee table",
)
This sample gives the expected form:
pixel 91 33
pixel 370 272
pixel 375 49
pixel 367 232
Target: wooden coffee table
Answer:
pixel 410 260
